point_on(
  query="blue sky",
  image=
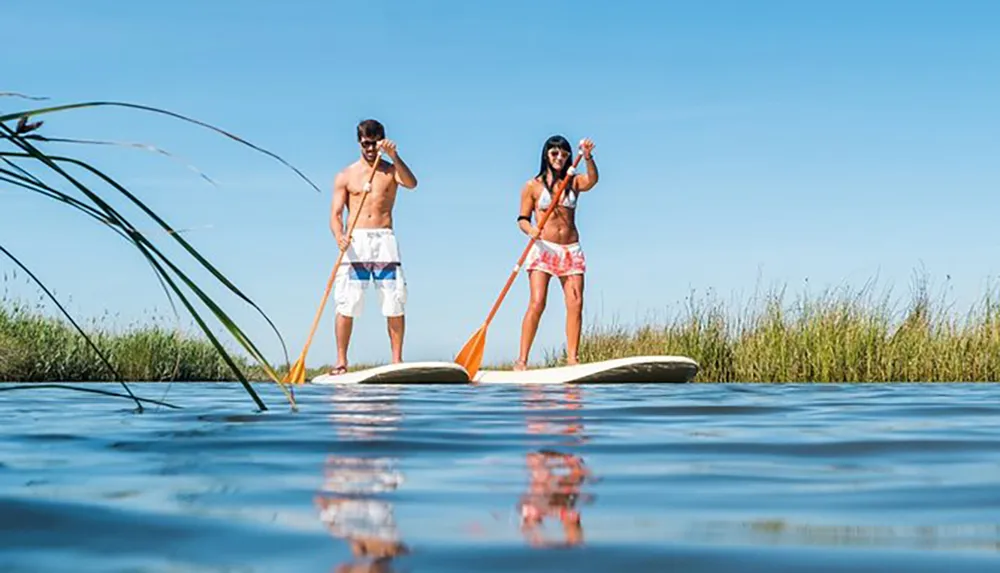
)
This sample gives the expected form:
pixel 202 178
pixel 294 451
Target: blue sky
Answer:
pixel 739 143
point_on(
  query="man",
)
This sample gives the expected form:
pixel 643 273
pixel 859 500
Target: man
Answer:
pixel 372 254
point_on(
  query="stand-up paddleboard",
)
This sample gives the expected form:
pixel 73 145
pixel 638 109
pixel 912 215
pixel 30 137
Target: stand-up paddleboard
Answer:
pixel 630 370
pixel 404 373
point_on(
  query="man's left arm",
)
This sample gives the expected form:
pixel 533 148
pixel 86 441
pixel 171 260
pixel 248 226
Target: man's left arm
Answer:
pixel 404 176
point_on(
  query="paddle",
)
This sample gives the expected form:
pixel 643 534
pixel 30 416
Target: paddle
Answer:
pixel 297 374
pixel 471 355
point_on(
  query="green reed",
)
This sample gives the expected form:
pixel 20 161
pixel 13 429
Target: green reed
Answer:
pixel 32 162
pixel 840 335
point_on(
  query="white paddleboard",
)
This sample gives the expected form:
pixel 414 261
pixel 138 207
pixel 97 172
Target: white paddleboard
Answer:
pixel 630 370
pixel 405 373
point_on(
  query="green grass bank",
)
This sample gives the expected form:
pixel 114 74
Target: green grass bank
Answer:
pixel 836 336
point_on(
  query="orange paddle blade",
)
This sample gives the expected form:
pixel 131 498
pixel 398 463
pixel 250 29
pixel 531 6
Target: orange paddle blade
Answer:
pixel 471 355
pixel 297 374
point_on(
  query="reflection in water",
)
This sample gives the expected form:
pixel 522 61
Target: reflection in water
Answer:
pixel 351 501
pixel 556 477
pixel 949 537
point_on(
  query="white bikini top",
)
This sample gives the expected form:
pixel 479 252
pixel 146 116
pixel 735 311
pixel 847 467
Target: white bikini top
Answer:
pixel 568 199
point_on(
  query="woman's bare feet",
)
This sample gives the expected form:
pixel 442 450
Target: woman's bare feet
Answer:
pixel 520 366
pixel 339 369
pixel 572 361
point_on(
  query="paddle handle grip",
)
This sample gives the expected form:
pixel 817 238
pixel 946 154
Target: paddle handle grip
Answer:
pixel 340 257
pixel 560 188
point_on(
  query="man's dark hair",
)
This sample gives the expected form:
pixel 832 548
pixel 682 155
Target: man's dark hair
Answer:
pixel 371 129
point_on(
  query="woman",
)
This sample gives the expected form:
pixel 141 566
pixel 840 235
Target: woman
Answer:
pixel 557 251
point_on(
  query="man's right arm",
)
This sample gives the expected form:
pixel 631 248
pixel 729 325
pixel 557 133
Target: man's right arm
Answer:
pixel 339 202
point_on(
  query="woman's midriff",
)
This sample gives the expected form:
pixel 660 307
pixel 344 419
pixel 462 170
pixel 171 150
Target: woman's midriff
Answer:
pixel 560 228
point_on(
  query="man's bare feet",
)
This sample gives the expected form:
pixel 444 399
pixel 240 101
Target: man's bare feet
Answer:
pixel 572 361
pixel 520 366
pixel 339 369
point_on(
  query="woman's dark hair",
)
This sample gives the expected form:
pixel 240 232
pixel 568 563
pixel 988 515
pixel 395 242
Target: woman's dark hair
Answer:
pixel 559 142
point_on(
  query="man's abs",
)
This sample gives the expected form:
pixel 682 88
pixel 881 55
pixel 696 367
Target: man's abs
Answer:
pixel 372 219
pixel 377 210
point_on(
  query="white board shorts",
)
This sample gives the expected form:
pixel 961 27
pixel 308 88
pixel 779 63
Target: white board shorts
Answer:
pixel 364 518
pixel 372 258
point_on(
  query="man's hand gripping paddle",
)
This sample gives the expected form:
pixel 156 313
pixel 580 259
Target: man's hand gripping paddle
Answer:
pixel 297 374
pixel 471 355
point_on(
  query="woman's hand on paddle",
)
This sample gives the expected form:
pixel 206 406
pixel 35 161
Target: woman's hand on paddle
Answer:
pixel 586 181
pixel 533 232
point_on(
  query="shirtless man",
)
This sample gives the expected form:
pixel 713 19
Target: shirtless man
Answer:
pixel 372 255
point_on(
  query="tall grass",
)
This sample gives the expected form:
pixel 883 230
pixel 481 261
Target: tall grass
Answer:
pixel 840 335
pixel 36 346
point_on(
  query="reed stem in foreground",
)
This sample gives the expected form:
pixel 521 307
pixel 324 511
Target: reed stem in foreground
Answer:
pixel 27 166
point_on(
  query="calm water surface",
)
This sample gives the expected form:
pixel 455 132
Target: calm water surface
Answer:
pixel 697 478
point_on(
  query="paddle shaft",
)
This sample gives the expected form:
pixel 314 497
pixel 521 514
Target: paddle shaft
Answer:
pixel 333 275
pixel 524 255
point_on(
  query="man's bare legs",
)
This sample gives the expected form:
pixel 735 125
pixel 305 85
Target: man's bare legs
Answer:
pixel 539 283
pixel 344 324
pixel 573 293
pixel 396 326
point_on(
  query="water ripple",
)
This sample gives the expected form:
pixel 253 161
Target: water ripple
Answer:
pixel 681 478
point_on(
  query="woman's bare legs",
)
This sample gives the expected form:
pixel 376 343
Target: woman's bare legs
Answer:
pixel 539 283
pixel 573 293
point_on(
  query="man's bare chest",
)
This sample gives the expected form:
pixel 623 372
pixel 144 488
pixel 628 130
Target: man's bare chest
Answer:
pixel 382 185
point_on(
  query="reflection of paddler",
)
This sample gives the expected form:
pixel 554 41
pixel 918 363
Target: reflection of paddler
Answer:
pixel 360 476
pixel 351 511
pixel 555 495
pixel 349 500
pixel 358 519
pixel 365 412
pixel 555 478
pixel 565 424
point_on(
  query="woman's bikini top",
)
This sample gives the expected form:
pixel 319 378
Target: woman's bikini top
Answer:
pixel 569 198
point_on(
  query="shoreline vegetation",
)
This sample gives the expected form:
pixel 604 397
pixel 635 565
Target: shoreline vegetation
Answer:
pixel 837 336
pixel 844 337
